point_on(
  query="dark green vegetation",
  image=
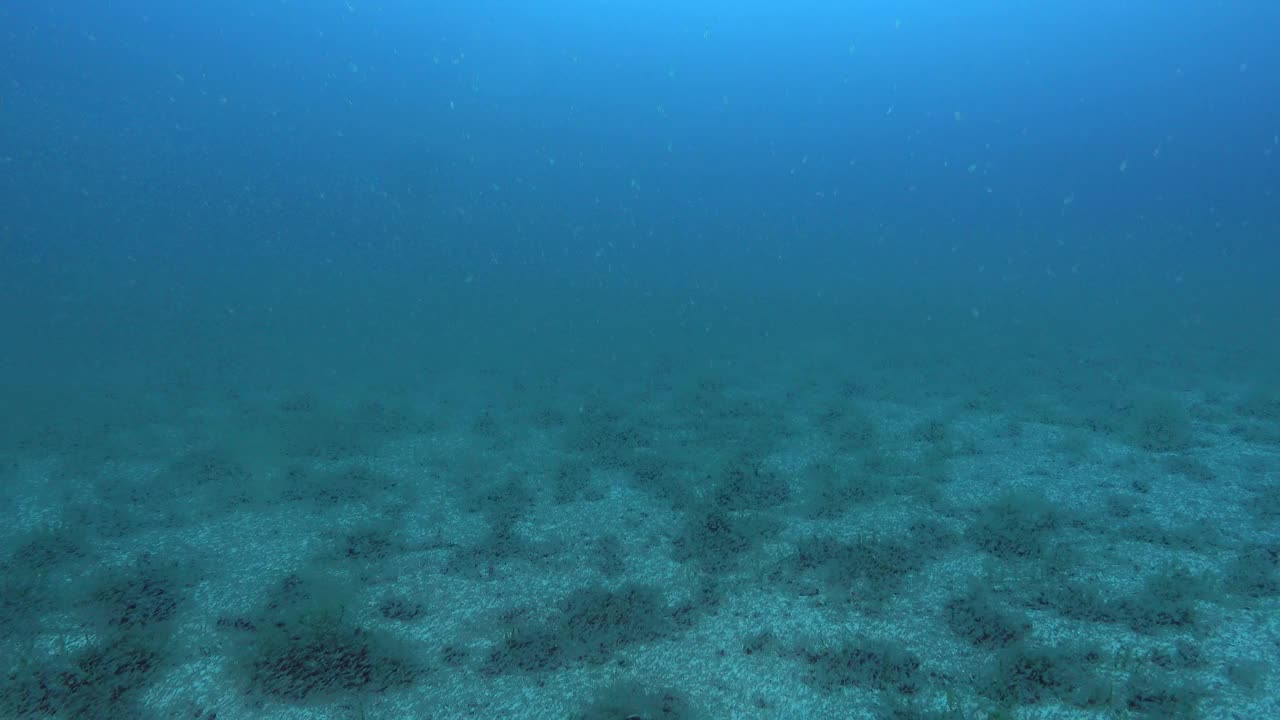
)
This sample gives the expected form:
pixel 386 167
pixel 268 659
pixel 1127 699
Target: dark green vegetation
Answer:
pixel 1017 525
pixel 304 644
pixel 104 680
pixel 1255 572
pixel 865 573
pixel 622 701
pixel 719 541
pixel 100 667
pixel 978 618
pixel 875 664
pixel 1159 423
pixel 592 626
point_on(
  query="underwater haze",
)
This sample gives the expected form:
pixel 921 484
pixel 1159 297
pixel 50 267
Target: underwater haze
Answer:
pixel 602 360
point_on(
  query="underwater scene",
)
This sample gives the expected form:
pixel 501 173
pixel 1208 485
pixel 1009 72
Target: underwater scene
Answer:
pixel 616 360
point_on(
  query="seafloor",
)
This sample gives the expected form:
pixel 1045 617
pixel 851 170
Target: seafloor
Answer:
pixel 608 508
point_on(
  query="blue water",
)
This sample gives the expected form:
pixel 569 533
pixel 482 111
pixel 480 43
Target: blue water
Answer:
pixel 596 359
